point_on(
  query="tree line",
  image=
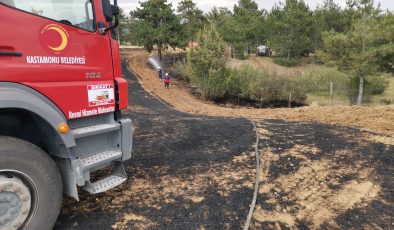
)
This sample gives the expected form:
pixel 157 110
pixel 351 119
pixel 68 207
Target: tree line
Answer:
pixel 358 39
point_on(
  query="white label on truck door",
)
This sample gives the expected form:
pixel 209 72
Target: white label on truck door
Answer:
pixel 101 94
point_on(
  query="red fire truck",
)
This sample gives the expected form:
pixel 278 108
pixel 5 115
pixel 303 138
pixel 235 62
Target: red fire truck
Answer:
pixel 61 93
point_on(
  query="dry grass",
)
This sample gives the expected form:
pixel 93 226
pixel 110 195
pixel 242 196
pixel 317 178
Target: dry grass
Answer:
pixel 268 64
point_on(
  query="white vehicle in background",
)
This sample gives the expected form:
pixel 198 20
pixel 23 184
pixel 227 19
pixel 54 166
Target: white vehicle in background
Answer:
pixel 263 51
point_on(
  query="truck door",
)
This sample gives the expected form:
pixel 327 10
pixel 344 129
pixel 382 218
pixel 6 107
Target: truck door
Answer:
pixel 54 47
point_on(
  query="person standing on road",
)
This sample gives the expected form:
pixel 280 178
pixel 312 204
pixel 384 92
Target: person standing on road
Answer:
pixel 167 81
pixel 160 71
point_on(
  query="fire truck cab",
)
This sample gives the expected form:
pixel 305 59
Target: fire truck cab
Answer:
pixel 61 96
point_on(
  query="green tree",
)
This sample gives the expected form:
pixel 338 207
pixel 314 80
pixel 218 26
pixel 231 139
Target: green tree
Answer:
pixel 290 28
pixel 241 28
pixel 364 50
pixel 247 14
pixel 244 28
pixel 218 16
pixel 384 34
pixel 333 17
pixel 329 17
pixel 191 18
pixel 223 21
pixel 124 28
pixel 156 25
pixel 207 63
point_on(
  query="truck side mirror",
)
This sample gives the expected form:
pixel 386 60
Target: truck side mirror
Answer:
pixel 107 10
pixel 115 10
pixel 110 11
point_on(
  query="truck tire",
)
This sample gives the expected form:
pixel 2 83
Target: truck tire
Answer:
pixel 31 189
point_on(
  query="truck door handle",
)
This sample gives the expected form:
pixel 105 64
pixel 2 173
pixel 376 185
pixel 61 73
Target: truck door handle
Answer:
pixel 10 53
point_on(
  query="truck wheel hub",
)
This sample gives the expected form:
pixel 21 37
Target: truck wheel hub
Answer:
pixel 15 202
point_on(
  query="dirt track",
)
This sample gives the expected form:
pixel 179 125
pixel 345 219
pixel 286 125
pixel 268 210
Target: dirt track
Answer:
pixel 197 172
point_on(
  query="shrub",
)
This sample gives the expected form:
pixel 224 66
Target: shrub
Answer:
pixel 374 85
pixel 287 62
pixel 207 63
pixel 377 84
pixel 239 52
pixel 182 69
pixel 253 50
pixel 387 101
pixel 241 82
pixel 318 81
pixel 250 83
pixel 237 82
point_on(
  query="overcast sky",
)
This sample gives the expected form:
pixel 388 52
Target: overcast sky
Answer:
pixel 207 5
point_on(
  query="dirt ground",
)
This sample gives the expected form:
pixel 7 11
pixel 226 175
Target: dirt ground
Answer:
pixel 187 172
pixel 317 176
pixel 323 167
pixel 377 119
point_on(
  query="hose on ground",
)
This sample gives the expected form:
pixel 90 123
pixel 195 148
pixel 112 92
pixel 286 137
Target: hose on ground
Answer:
pixel 256 187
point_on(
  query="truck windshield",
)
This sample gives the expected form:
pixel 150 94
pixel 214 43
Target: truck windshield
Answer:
pixel 72 12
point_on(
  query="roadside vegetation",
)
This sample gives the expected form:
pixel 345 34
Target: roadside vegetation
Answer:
pixel 287 62
pixel 263 84
pixel 355 42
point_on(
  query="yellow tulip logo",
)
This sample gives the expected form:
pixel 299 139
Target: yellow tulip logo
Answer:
pixel 53 42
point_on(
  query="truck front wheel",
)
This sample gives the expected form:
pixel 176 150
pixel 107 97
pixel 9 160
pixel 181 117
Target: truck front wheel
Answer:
pixel 30 186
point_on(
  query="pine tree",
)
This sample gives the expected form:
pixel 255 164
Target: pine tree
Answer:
pixel 291 28
pixel 124 28
pixel 246 26
pixel 207 63
pixel 366 49
pixel 156 25
pixel 191 18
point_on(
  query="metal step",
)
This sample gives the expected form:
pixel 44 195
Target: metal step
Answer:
pixel 95 129
pixel 101 158
pixel 104 185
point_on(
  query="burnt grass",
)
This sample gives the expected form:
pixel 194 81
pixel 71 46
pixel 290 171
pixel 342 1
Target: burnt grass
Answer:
pixel 169 144
pixel 328 140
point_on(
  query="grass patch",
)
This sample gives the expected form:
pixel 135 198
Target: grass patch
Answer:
pixel 309 84
pixel 263 87
pixel 317 85
pixel 182 69
pixel 287 62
